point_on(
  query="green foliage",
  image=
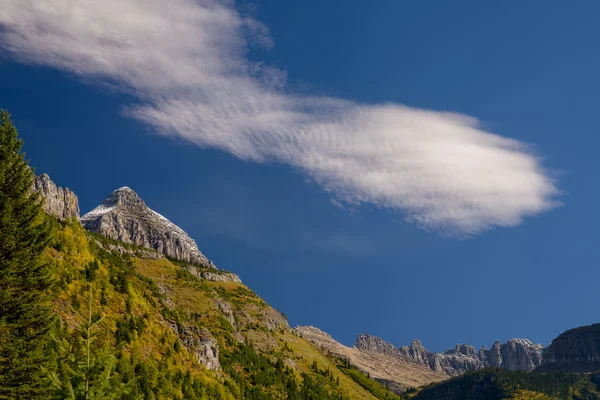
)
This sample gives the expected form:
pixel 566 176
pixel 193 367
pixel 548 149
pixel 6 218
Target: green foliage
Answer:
pixel 125 355
pixel 91 270
pixel 372 386
pixel 495 383
pixel 257 377
pixel 25 316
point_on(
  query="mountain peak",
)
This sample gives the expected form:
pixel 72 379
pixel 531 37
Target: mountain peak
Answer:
pixel 124 216
pixel 123 195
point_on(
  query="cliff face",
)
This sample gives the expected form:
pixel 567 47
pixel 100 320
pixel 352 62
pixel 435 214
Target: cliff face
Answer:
pixel 514 355
pixel 576 350
pixel 124 216
pixel 59 202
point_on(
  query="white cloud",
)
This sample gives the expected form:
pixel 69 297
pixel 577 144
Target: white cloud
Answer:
pixel 186 63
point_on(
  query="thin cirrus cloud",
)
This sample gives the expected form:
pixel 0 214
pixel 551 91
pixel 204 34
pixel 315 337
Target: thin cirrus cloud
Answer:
pixel 185 61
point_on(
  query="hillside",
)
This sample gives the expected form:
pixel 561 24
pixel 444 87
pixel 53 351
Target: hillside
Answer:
pixel 576 350
pixel 397 373
pixel 497 384
pixel 169 333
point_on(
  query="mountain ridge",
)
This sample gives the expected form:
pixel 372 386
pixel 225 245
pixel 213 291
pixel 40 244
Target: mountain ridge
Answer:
pixel 396 373
pixel 515 355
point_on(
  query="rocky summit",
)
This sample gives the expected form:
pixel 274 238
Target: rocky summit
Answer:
pixel 514 355
pixel 124 216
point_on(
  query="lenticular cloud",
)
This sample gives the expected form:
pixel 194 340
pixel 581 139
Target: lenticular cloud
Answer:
pixel 185 61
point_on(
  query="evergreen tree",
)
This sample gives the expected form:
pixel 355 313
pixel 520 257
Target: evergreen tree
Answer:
pixel 25 313
pixel 85 365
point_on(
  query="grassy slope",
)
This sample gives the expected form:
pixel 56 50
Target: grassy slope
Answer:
pixel 192 296
pixel 139 298
pixel 153 345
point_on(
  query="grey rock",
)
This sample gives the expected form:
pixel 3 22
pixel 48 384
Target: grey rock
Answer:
pixel 213 276
pixel 274 320
pixel 418 352
pixel 220 277
pixel 521 355
pixel 166 292
pixel 199 342
pixel 451 362
pixel 460 360
pixel 375 344
pixel 58 202
pixel 225 309
pixel 124 216
pixel 494 356
pixel 197 272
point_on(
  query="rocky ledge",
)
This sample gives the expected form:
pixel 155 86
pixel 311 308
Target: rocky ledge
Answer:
pixel 124 216
pixel 200 343
pixel 220 277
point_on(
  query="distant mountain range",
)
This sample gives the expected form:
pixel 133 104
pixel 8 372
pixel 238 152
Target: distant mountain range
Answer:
pixel 411 366
pixel 514 355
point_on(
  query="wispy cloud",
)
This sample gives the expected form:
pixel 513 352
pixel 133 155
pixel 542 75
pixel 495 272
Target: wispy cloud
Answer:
pixel 185 61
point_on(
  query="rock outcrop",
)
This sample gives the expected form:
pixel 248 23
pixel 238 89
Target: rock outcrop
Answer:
pixel 132 251
pixel 200 343
pixel 515 355
pixel 379 359
pixel 220 277
pixel 225 309
pixel 58 202
pixel 375 344
pixel 576 350
pixel 124 216
pixel 274 320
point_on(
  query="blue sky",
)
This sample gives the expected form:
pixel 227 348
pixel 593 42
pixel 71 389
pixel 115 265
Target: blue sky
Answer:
pixel 302 188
